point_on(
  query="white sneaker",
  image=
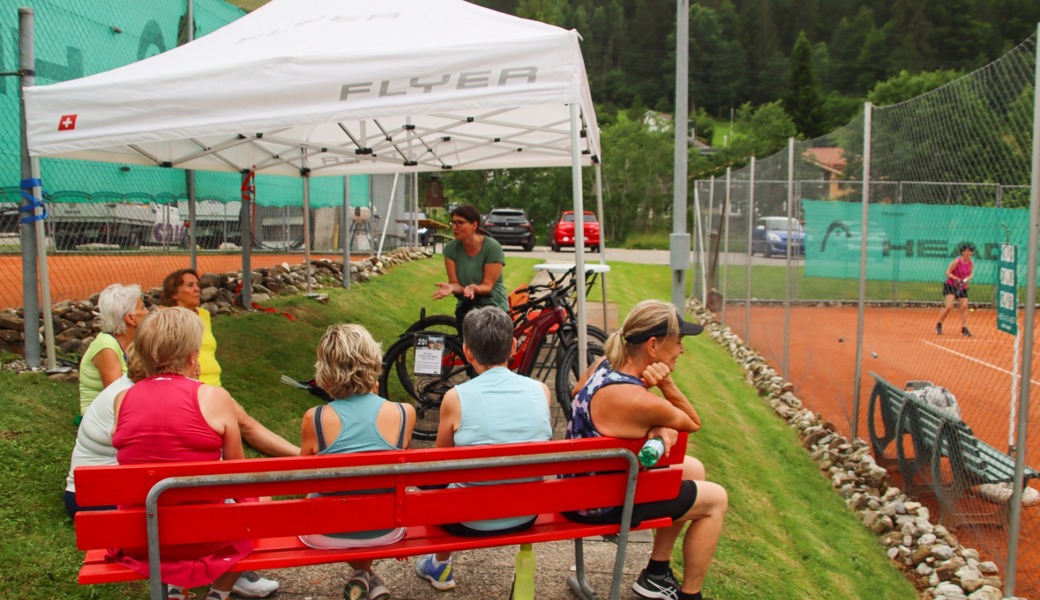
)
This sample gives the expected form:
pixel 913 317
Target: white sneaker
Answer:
pixel 251 585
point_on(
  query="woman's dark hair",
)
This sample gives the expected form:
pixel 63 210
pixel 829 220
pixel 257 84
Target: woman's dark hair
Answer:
pixel 965 246
pixel 172 283
pixel 468 212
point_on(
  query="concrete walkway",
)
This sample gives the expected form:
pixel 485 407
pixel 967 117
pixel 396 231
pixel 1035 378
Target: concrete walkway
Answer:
pixel 479 574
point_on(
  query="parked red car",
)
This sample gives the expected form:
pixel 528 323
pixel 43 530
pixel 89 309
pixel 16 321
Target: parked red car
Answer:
pixel 562 231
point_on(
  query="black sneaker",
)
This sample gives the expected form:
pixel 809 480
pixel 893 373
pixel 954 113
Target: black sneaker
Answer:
pixel 664 587
pixel 965 332
pixel 938 329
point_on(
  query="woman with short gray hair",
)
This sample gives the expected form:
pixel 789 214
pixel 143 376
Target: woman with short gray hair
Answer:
pixel 120 309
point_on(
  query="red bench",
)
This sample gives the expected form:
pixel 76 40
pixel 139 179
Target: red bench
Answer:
pixel 162 516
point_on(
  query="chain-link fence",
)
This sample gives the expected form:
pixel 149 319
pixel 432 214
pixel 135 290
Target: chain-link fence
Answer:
pixel 784 241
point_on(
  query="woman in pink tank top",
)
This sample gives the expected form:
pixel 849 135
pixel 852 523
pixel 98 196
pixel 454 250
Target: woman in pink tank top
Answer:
pixel 960 271
pixel 169 416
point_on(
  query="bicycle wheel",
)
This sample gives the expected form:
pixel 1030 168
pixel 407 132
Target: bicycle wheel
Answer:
pixel 441 323
pixel 567 373
pixel 400 383
pixel 596 334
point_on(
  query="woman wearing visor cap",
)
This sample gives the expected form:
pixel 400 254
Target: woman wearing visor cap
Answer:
pixel 614 400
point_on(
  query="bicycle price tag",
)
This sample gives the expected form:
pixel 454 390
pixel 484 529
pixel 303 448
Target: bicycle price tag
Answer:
pixel 429 354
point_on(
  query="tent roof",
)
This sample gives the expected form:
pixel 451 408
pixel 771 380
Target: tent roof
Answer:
pixel 337 87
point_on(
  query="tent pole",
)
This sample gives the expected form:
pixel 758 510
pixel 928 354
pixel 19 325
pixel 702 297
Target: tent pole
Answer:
pixel 246 225
pixel 598 170
pixel 189 175
pixel 389 214
pixel 344 233
pixel 306 174
pixel 189 179
pixel 579 237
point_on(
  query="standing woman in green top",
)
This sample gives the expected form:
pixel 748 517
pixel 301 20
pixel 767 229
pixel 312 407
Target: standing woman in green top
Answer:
pixel 474 263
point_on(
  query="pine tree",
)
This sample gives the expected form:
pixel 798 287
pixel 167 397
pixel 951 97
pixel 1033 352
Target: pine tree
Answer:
pixel 803 101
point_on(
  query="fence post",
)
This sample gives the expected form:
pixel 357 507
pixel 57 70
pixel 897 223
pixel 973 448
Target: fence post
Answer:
pixel 747 270
pixel 679 241
pixel 868 115
pixel 724 223
pixel 32 234
pixel 787 269
pixel 1015 524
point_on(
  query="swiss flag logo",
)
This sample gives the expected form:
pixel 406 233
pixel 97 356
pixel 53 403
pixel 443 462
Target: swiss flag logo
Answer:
pixel 67 122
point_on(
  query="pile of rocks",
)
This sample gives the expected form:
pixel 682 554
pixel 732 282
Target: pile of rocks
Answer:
pixel 76 322
pixel 931 556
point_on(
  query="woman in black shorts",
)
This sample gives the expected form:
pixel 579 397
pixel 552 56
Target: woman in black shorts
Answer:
pixel 615 401
pixel 958 274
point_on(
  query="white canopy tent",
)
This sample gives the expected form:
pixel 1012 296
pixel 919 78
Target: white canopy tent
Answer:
pixel 338 87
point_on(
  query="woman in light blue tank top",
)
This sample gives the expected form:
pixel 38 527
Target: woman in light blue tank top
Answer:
pixel 496 407
pixel 348 366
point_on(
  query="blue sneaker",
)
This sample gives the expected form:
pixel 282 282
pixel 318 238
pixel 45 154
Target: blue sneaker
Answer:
pixel 440 577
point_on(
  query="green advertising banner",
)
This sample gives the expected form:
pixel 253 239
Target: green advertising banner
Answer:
pixel 907 242
pixel 1007 291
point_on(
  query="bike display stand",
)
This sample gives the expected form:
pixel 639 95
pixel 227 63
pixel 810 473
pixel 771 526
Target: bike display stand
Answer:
pixel 556 272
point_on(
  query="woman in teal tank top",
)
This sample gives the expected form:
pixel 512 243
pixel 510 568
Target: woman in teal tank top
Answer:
pixel 348 367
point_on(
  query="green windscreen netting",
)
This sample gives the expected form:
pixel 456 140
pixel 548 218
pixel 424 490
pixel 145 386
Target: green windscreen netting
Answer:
pixel 907 242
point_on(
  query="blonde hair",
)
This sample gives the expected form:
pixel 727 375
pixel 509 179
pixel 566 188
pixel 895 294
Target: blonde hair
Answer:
pixel 647 315
pixel 116 302
pixel 349 361
pixel 165 342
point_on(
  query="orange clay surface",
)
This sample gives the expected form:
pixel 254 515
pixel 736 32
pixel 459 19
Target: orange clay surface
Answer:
pixel 78 276
pixel 976 369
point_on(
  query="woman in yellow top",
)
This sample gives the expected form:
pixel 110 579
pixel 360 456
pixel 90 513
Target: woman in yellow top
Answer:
pixel 181 288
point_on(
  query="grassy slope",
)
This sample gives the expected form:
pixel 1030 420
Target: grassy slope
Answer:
pixel 787 535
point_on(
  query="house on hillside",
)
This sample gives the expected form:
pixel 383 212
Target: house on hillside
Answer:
pixel 658 122
pixel 831 163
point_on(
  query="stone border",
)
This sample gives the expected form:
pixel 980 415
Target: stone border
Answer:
pixel 76 322
pixel 929 554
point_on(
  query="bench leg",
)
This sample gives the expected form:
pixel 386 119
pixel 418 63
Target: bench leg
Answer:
pixel 578 584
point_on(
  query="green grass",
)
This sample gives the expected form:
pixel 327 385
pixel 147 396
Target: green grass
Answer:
pixel 787 536
pixel 651 240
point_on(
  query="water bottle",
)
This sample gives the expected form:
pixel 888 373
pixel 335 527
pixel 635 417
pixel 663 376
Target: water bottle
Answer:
pixel 523 584
pixel 651 452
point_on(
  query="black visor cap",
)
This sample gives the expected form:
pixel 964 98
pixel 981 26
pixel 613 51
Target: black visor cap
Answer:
pixel 685 328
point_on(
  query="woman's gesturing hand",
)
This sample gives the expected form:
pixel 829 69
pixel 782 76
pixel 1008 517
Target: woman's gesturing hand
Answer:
pixel 444 289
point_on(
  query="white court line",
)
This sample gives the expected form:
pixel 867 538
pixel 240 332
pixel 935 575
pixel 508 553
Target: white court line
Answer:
pixel 973 359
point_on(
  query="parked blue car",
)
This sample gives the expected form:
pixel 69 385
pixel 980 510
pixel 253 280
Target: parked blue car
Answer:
pixel 769 237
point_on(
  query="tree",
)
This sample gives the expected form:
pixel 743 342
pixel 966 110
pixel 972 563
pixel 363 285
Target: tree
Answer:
pixel 905 86
pixel 872 63
pixel 759 131
pixel 803 101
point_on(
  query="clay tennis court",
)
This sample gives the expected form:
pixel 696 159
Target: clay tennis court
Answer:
pixel 977 370
pixel 78 276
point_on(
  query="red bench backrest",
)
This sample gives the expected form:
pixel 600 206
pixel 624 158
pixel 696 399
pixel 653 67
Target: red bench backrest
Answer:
pixel 402 504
